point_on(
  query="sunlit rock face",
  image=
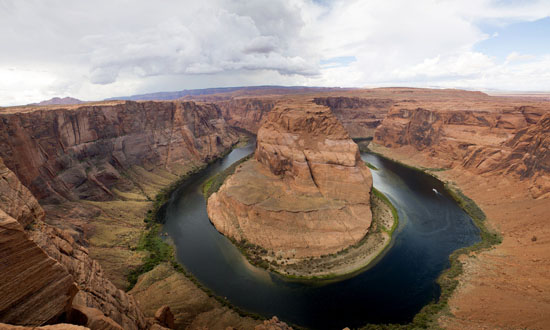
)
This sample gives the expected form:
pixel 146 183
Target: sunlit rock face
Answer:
pixel 84 151
pixel 306 192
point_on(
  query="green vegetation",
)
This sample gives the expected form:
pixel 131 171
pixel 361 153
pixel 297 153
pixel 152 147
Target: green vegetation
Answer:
pixel 372 167
pixel 488 238
pixel 448 279
pixel 154 214
pixel 386 200
pixel 160 251
pixel 150 241
pixel 255 254
pixel 214 183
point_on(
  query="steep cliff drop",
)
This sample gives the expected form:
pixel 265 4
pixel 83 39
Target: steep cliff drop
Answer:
pixel 497 152
pixel 46 276
pixel 306 193
pixel 95 168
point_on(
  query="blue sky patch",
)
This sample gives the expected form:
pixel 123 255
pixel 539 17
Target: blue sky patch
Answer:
pixel 526 38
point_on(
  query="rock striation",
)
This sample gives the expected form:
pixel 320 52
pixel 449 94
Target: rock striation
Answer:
pixel 16 200
pixel 305 194
pixel 487 142
pixel 530 156
pixel 113 152
pixel 83 151
pixel 34 288
pixel 246 113
pixel 45 273
pixel 360 116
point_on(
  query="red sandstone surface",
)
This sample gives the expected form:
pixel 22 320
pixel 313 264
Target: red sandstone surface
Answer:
pixel 305 194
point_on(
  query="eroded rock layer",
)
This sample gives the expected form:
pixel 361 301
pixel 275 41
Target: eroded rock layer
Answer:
pixel 34 288
pixel 246 113
pixel 360 116
pixel 497 142
pixel 115 153
pixel 305 193
pixel 45 272
pixel 83 151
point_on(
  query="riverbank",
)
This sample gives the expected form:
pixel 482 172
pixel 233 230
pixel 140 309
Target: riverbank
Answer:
pixel 353 259
pixel 488 284
pixel 345 262
pixel 160 280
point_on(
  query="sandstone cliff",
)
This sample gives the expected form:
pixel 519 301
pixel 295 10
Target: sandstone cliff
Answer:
pixel 120 152
pixel 487 142
pixel 360 116
pixel 531 146
pixel 246 113
pixel 83 152
pixel 34 288
pixel 45 273
pixel 306 192
pixel 16 200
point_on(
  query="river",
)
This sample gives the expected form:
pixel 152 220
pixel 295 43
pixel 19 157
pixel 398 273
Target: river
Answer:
pixel 393 290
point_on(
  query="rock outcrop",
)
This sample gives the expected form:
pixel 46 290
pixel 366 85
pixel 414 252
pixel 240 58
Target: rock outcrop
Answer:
pixel 95 289
pixel 360 116
pixel 246 113
pixel 83 151
pixel 530 156
pixel 486 142
pixel 306 193
pixel 16 200
pixel 273 324
pixel 45 273
pixel 34 288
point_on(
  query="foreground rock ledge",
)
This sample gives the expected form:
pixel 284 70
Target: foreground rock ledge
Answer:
pixel 305 194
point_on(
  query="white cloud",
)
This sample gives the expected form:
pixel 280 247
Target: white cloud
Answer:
pixel 515 56
pixel 99 49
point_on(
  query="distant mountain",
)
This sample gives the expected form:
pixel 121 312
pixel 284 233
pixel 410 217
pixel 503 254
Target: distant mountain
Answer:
pixel 59 101
pixel 228 91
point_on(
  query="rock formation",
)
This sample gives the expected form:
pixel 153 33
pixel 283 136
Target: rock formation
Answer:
pixel 46 274
pixel 489 142
pixel 67 154
pixel 360 116
pixel 306 193
pixel 83 151
pixel 35 288
pixel 246 113
pixel 531 146
pixel 16 200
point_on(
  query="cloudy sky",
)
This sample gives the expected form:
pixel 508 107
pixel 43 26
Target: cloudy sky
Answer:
pixel 97 49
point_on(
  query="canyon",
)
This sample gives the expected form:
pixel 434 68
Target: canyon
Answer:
pixel 94 170
pixel 495 149
pixel 77 181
